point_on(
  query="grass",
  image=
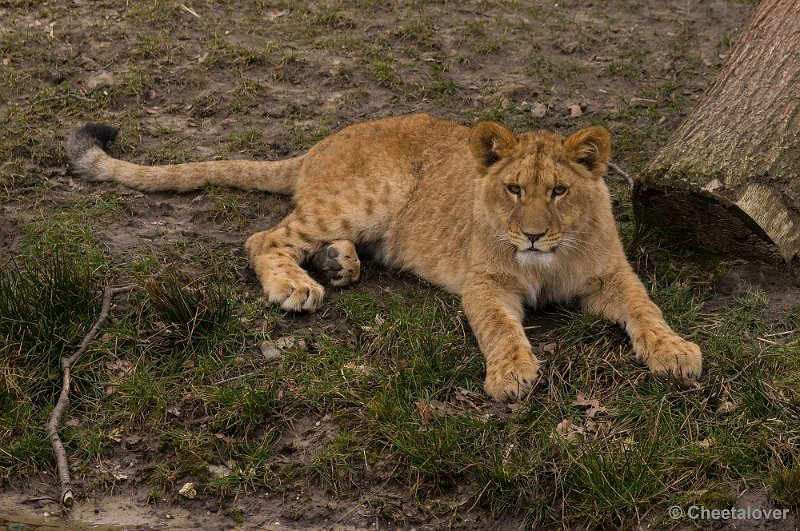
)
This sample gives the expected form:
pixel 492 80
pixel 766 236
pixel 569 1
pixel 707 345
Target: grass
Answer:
pixel 376 401
pixel 183 341
pixel 180 357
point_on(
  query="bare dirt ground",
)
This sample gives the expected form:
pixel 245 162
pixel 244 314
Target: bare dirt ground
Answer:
pixel 198 80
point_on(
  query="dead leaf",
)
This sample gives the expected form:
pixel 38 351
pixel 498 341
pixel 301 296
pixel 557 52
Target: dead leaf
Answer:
pixel 223 437
pixel 174 411
pixel 73 422
pixel 361 369
pixel 569 48
pixel 593 405
pixel 567 430
pixel 269 350
pixel 590 426
pixel 290 342
pixel 465 397
pixel 538 110
pixel 429 408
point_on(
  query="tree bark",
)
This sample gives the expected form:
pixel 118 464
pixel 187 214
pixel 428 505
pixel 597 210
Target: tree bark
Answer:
pixel 728 180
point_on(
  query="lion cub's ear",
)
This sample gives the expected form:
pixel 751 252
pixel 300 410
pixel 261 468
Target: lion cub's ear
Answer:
pixel 490 141
pixel 590 147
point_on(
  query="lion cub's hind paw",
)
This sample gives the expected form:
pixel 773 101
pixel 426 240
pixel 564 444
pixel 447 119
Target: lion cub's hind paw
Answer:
pixel 296 294
pixel 338 262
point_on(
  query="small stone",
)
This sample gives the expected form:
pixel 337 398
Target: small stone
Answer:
pixel 188 491
pixel 726 407
pixel 219 471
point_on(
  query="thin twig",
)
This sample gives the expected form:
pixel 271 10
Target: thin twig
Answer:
pixel 624 174
pixel 190 10
pixel 51 428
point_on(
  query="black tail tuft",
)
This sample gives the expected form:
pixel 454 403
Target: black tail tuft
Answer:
pixel 100 134
pixel 87 137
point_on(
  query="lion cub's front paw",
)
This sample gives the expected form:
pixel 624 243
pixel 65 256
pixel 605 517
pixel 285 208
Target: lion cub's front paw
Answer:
pixel 512 380
pixel 671 354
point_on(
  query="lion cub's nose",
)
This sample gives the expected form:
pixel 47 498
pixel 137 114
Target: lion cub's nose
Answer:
pixel 533 237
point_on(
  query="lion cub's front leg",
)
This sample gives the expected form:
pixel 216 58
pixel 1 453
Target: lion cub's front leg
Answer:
pixel 495 315
pixel 621 297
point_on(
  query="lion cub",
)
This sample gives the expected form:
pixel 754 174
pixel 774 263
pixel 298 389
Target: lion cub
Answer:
pixel 503 220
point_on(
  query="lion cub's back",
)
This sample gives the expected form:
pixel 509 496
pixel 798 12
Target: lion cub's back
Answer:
pixel 367 157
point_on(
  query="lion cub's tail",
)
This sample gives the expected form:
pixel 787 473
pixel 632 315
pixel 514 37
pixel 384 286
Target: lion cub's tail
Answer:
pixel 85 148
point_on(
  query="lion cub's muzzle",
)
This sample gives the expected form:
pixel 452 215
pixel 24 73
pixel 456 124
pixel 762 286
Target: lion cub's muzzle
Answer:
pixel 541 242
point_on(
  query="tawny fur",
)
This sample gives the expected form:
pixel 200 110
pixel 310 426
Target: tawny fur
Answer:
pixel 503 220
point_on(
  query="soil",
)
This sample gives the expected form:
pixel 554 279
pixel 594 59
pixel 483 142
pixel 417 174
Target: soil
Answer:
pixel 306 78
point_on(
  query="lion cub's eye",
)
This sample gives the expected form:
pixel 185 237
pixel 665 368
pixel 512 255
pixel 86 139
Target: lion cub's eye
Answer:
pixel 513 189
pixel 559 190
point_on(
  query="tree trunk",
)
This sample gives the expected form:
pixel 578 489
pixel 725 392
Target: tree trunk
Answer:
pixel 728 181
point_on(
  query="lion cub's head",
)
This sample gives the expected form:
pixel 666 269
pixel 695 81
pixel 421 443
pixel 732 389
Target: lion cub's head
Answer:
pixel 539 190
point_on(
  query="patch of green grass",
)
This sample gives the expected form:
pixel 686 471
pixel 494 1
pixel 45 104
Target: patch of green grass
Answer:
pixel 47 306
pixel 421 32
pixel 384 72
pixel 250 141
pixel 607 482
pixel 304 136
pixel 785 485
pixel 329 18
pixel 340 463
pixel 196 313
pixel 70 229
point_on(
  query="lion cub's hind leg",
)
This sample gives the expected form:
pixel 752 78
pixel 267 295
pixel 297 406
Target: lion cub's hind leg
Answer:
pixel 338 262
pixel 276 255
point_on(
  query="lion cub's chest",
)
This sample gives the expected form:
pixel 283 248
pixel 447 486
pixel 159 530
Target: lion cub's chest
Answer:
pixel 551 281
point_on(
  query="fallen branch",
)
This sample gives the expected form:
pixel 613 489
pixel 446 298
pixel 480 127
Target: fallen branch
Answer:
pixel 51 428
pixel 625 175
